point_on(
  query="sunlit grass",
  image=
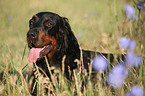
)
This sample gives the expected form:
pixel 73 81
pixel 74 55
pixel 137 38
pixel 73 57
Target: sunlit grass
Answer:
pixel 100 32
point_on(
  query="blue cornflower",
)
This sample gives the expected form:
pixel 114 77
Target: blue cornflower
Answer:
pixel 130 12
pixel 127 43
pixel 93 12
pixel 86 15
pixel 79 35
pixel 100 63
pixel 117 76
pixel 136 91
pixel 133 60
pixel 140 5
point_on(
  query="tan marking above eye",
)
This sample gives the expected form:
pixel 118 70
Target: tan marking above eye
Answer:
pixel 46 18
pixel 49 24
pixel 31 23
pixel 35 15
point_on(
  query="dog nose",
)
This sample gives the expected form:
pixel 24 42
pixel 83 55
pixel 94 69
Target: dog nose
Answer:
pixel 32 34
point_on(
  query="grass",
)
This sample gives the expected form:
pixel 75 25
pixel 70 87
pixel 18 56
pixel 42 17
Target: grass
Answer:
pixel 99 31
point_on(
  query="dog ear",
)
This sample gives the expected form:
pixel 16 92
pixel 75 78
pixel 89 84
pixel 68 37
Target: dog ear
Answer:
pixel 63 30
pixel 70 43
pixel 69 38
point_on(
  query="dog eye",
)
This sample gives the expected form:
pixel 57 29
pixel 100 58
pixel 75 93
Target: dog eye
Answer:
pixel 48 24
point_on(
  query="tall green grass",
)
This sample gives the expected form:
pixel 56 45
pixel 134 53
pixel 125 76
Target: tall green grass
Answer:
pixel 98 33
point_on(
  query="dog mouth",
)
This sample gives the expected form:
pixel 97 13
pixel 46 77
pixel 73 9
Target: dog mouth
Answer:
pixel 36 53
pixel 45 50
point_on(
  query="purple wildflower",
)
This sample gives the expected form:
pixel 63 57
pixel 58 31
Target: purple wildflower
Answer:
pixel 130 12
pixel 100 63
pixel 117 76
pixel 127 43
pixel 79 35
pixel 132 45
pixel 136 91
pixel 140 5
pixel 133 60
pixel 86 15
pixel 93 12
pixel 134 18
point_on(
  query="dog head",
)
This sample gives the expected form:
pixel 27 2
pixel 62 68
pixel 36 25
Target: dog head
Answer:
pixel 50 34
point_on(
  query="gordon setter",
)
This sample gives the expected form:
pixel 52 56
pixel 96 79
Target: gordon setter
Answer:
pixel 50 35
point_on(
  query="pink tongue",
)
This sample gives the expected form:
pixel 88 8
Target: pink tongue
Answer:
pixel 34 54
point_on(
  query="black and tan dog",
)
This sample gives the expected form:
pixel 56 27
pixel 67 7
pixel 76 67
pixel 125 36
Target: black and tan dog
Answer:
pixel 50 35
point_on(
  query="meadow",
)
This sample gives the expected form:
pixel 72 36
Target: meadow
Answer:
pixel 97 24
